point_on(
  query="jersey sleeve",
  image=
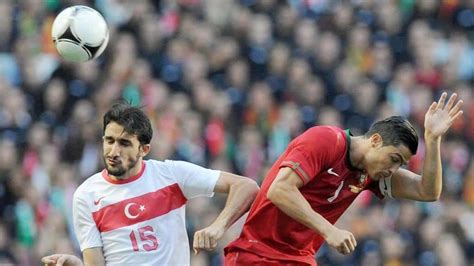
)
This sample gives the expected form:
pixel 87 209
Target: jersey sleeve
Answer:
pixel 194 180
pixel 311 152
pixel 84 225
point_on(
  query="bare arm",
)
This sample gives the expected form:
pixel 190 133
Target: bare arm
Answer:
pixel 284 193
pixel 241 193
pixel 93 257
pixel 428 186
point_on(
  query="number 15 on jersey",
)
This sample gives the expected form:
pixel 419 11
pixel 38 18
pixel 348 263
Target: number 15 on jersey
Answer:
pixel 147 239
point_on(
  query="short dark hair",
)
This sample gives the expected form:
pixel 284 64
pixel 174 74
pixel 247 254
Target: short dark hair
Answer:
pixel 395 130
pixel 132 119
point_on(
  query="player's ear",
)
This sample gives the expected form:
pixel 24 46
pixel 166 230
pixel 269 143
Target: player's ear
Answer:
pixel 376 140
pixel 144 149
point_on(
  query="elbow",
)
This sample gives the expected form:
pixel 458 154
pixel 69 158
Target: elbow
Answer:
pixel 254 188
pixel 274 194
pixel 251 187
pixel 431 197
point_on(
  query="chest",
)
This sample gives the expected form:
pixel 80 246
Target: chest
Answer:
pixel 335 184
pixel 115 207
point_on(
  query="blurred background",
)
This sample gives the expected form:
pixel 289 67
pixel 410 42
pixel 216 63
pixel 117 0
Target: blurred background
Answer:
pixel 227 85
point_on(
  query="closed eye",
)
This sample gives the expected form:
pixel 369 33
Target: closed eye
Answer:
pixel 395 159
pixel 125 143
pixel 109 140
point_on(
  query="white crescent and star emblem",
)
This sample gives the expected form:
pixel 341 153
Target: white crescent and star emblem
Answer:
pixel 126 210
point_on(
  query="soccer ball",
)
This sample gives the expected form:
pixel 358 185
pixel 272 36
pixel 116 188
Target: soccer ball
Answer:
pixel 80 33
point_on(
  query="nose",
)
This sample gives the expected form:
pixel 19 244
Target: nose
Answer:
pixel 115 150
pixel 393 169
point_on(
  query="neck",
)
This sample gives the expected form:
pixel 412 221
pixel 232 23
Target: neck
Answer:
pixel 357 151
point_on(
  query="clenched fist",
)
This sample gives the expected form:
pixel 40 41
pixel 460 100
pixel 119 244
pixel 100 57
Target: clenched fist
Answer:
pixel 207 238
pixel 341 240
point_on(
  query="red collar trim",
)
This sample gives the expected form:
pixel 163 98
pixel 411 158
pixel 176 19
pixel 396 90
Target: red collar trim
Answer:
pixel 106 176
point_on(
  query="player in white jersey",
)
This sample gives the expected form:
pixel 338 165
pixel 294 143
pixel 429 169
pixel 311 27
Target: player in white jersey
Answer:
pixel 133 212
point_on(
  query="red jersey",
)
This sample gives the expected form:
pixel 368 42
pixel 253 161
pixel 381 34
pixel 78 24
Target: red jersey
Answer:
pixel 320 157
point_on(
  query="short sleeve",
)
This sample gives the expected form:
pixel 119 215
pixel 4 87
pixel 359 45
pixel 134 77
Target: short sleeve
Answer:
pixel 194 180
pixel 84 225
pixel 312 151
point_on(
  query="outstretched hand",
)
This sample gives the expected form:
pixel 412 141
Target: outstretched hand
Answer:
pixel 440 116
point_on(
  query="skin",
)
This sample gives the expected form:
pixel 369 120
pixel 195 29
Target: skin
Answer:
pixel 371 156
pixel 123 156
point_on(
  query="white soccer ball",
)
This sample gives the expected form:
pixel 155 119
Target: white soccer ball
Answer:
pixel 80 33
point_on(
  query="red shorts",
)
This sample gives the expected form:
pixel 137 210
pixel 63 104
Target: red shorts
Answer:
pixel 243 258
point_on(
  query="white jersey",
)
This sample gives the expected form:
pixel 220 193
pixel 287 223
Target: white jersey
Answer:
pixel 140 221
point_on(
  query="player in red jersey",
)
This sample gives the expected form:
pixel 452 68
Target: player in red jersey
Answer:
pixel 319 175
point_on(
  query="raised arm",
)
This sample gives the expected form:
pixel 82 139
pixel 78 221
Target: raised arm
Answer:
pixel 284 193
pixel 428 186
pixel 241 193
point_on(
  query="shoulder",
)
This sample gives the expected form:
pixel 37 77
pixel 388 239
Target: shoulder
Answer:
pixel 160 164
pixel 328 135
pixel 171 169
pixel 88 185
pixel 159 167
pixel 326 131
pixel 178 165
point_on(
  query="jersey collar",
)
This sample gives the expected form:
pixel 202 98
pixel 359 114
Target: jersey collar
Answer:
pixel 348 150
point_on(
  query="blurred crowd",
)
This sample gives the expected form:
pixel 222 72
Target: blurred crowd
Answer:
pixel 227 85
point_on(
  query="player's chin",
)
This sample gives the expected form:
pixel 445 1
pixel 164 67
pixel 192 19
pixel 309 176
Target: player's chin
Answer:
pixel 382 175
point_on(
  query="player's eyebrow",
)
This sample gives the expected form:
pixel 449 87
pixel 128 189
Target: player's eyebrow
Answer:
pixel 121 138
pixel 109 138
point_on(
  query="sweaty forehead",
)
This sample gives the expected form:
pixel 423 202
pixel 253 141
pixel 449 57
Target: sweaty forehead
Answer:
pixel 115 130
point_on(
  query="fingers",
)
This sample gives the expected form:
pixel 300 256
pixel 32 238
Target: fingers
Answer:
pixel 61 261
pixel 455 110
pixel 206 243
pixel 347 245
pixel 47 260
pixel 451 101
pixel 433 107
pixel 442 99
pixel 196 243
pixel 203 240
pixel 344 249
pixel 51 259
pixel 457 115
pixel 353 240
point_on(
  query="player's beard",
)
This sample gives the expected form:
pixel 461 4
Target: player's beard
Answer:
pixel 119 170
